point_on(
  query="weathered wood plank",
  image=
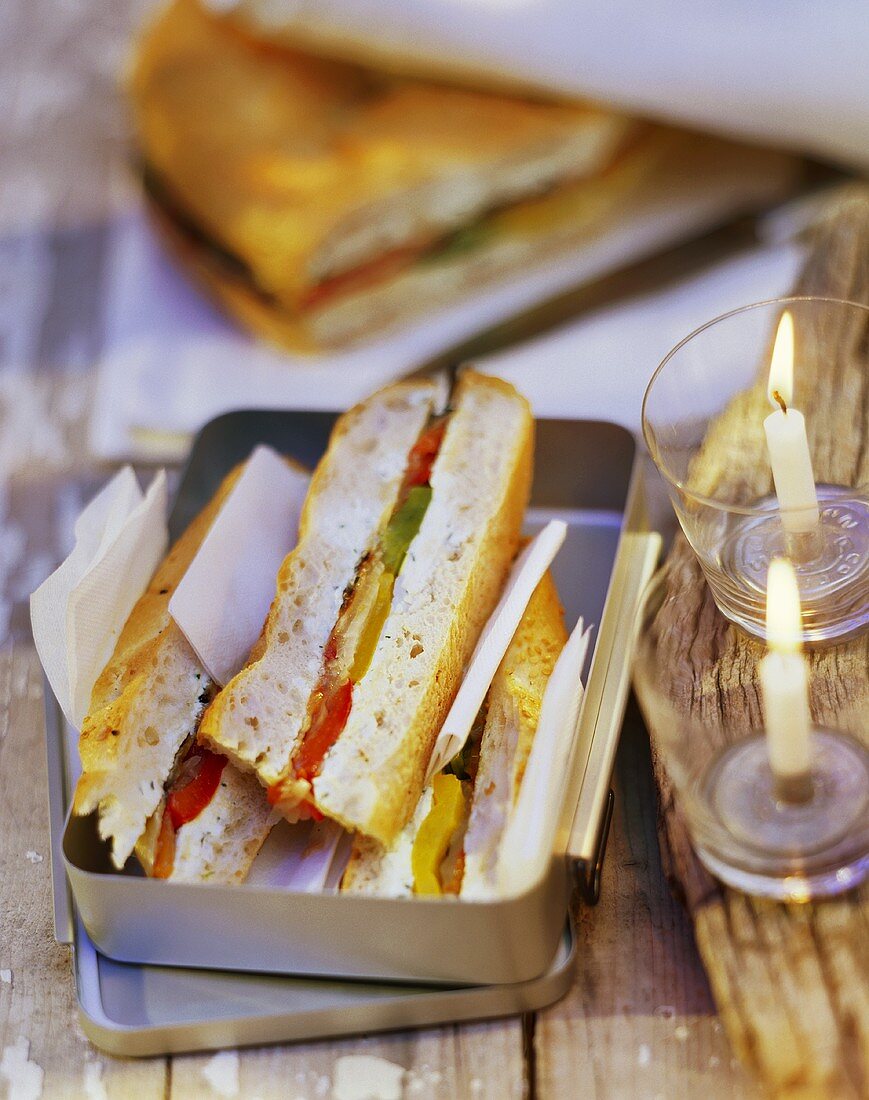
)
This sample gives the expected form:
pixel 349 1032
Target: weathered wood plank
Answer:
pixel 790 981
pixel 640 1020
pixel 482 1061
pixel 37 999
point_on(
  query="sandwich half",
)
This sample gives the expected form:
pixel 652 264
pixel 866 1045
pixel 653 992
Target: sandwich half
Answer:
pixel 412 520
pixel 188 813
pixel 324 202
pixel 452 844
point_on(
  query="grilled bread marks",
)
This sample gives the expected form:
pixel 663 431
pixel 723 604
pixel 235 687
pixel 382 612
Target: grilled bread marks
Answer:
pixel 451 579
pixel 258 719
pixel 515 699
pixel 145 703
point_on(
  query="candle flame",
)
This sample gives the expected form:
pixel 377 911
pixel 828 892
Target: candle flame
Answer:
pixel 780 389
pixel 784 622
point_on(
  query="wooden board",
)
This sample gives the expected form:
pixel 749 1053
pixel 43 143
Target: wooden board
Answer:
pixel 640 1020
pixel 791 981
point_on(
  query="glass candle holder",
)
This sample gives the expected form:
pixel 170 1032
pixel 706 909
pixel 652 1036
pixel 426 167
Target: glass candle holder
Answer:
pixel 703 422
pixel 793 838
pixel 780 839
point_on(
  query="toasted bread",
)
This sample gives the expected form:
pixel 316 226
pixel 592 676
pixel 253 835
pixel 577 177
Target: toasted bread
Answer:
pixel 145 708
pixel 303 171
pixel 512 710
pixel 370 778
pixel 452 578
pixel 258 718
pixel 145 703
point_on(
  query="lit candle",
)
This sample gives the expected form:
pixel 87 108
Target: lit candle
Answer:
pixel 786 439
pixel 784 682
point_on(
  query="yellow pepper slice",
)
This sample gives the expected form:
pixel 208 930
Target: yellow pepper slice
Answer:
pixel 373 627
pixel 436 832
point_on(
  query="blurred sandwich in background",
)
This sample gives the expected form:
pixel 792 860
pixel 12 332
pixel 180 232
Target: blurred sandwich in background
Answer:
pixel 324 203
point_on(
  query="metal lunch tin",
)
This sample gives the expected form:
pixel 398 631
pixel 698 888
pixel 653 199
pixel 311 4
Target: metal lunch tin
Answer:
pixel 585 473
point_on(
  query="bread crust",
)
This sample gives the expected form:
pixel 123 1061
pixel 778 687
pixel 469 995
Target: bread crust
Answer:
pixel 512 712
pixel 325 166
pixel 145 703
pixel 589 206
pixel 515 699
pixel 455 569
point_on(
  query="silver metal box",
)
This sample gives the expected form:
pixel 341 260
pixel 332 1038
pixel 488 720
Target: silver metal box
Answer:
pixel 584 474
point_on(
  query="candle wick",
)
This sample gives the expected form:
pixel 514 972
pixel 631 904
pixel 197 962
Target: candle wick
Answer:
pixel 781 401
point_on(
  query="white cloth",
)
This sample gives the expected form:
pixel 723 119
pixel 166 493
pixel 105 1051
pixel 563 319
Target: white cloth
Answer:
pixel 599 366
pixel 171 362
pixel 792 75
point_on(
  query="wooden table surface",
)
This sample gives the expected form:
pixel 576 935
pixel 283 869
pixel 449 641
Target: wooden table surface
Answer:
pixel 639 1020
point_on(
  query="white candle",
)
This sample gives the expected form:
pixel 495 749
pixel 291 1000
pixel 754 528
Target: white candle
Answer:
pixel 784 678
pixel 786 439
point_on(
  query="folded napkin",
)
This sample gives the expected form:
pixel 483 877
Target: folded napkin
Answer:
pixel 171 362
pixel 599 366
pixel 795 76
pixel 79 611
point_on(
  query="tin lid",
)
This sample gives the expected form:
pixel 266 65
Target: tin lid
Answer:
pixel 589 799
pixel 139 1011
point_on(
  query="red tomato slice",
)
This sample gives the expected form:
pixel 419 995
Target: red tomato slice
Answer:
pixel 189 801
pixel 324 732
pixel 423 455
pixel 366 275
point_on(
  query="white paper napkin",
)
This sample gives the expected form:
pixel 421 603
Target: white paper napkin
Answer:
pixel 308 857
pixel 526 574
pixel 78 612
pixel 795 76
pixel 530 832
pixel 224 596
pixel 170 361
pixel 599 366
